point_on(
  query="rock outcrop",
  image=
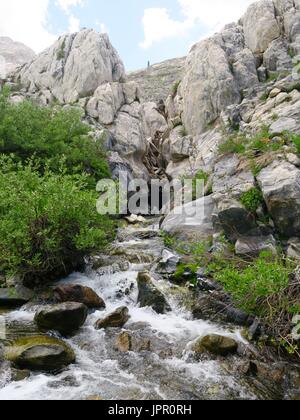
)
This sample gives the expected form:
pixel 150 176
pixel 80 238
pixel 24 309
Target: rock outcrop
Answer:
pixel 12 55
pixel 84 70
pixel 157 81
pixel 73 67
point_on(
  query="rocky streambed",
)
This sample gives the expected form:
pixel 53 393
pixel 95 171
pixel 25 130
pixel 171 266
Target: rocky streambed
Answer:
pixel 129 333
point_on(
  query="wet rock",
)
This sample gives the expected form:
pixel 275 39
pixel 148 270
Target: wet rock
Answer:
pixel 66 318
pixel 168 263
pixel 253 246
pixel 150 296
pixel 216 344
pixel 116 319
pixel 134 219
pixel 218 307
pixel 280 184
pixel 79 294
pixel 40 353
pixel 19 375
pixel 129 342
pixel 11 297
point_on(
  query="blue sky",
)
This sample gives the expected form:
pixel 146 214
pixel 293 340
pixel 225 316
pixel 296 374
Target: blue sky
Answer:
pixel 141 30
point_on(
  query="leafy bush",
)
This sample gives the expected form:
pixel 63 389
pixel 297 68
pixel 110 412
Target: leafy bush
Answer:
pixel 234 144
pixel 252 199
pixel 49 133
pixel 296 140
pixel 252 285
pixel 48 222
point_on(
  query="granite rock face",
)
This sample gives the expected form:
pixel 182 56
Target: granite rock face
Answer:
pixel 12 55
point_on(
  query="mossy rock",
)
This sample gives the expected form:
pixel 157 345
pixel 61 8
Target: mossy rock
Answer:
pixel 116 319
pixel 39 353
pixel 216 344
pixel 149 295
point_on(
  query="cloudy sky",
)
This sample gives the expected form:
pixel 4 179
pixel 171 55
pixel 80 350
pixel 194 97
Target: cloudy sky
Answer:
pixel 141 30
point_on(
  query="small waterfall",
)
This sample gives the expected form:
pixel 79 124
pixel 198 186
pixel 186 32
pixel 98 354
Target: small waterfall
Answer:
pixel 167 372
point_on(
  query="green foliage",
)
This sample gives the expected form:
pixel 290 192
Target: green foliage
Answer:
pixel 252 199
pixel 253 284
pixel 182 269
pixel 48 222
pixel 183 132
pixel 242 145
pixel 264 97
pixel 175 88
pixel 291 52
pixel 234 144
pixel 61 52
pixel 272 77
pixel 49 133
pixel 296 140
pixel 296 86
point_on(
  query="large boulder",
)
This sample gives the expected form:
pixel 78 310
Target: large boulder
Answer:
pixel 150 295
pixel 66 318
pixel 260 26
pixel 193 222
pixel 40 353
pixel 116 319
pixel 253 246
pixel 207 87
pixel 79 294
pixel 280 185
pixel 74 66
pixel 216 344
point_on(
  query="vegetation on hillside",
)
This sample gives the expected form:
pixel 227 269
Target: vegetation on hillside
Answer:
pixel 48 171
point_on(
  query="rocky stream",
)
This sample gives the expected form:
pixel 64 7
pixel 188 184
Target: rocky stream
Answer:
pixel 149 354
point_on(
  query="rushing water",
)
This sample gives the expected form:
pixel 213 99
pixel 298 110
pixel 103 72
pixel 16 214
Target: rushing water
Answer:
pixel 101 370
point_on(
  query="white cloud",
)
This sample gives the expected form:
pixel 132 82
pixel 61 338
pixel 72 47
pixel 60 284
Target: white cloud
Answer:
pixel 25 21
pixel 212 15
pixel 66 5
pixel 158 25
pixel 74 24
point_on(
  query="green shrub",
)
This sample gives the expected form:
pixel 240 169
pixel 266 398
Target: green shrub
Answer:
pixel 49 133
pixel 48 222
pixel 61 52
pixel 234 144
pixel 252 199
pixel 183 132
pixel 296 140
pixel 178 276
pixel 175 88
pixel 252 285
